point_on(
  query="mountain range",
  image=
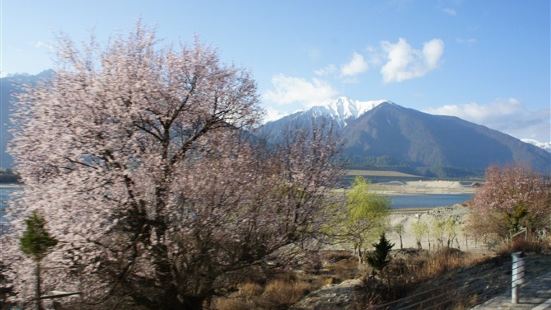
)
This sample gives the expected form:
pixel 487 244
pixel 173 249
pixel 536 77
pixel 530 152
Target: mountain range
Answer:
pixel 381 134
pixel 9 87
pixel 376 134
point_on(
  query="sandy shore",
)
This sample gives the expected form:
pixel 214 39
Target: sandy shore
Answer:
pixel 422 187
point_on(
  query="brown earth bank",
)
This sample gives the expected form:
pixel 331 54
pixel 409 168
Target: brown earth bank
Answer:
pixel 417 279
pixel 446 278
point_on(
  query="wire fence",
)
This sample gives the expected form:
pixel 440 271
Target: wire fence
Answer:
pixel 470 292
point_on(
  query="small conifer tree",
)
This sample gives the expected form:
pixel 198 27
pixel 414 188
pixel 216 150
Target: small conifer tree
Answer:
pixel 36 243
pixel 379 258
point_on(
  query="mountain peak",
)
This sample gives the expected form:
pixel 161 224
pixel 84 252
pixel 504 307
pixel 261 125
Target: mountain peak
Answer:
pixel 344 108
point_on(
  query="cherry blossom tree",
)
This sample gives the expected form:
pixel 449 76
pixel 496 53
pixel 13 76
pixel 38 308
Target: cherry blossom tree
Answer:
pixel 511 198
pixel 139 159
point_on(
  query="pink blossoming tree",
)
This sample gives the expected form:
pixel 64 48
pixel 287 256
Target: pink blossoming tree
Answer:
pixel 512 198
pixel 139 160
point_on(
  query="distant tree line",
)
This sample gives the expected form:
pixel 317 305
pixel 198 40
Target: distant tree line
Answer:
pixel 8 176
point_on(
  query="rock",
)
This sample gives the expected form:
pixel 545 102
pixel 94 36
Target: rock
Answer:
pixel 339 296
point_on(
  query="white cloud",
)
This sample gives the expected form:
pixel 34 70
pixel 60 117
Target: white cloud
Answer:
pixel 327 70
pixel 507 115
pixel 289 89
pixel 355 66
pixel 480 112
pixel 404 62
pixel 375 56
pixel 273 114
pixel 449 11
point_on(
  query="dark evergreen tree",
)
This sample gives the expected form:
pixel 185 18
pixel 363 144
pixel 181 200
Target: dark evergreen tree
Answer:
pixel 379 258
pixel 35 243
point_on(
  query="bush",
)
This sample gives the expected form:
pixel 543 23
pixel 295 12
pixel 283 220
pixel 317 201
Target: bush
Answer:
pixel 522 245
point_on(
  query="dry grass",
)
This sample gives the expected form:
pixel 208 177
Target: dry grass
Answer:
pixel 285 292
pixel 524 245
pixel 344 269
pixel 445 260
pixel 276 294
pixel 415 267
pixel 283 288
pixel 229 303
pixel 411 268
pixel 250 289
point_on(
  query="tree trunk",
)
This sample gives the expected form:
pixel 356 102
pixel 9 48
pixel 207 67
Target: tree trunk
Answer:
pixel 37 288
pixel 401 243
pixel 358 253
pixel 428 241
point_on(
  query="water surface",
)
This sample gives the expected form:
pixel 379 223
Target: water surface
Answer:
pixel 427 200
pixel 396 201
pixel 6 192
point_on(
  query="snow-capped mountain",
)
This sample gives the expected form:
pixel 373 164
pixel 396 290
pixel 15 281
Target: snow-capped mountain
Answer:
pixel 382 134
pixel 542 145
pixel 341 111
pixel 344 108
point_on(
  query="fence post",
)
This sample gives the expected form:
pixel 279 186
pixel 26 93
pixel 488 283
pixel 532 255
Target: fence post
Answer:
pixel 517 276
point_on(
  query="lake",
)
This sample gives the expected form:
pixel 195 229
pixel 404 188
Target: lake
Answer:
pixel 427 200
pixel 5 193
pixel 397 201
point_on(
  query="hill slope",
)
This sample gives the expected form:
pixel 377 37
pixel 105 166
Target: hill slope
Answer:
pixel 442 145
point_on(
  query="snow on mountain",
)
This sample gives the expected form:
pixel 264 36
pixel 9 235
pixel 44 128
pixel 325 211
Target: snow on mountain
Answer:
pixel 345 108
pixel 543 145
pixel 340 110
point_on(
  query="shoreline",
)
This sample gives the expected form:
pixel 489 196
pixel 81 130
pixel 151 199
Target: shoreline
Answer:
pixel 406 211
pixel 11 185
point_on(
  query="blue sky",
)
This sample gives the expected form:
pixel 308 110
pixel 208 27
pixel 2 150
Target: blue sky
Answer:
pixel 485 61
